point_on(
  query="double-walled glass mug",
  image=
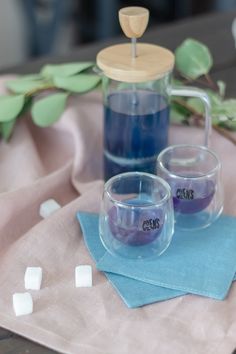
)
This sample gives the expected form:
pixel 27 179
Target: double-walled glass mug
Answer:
pixel 194 175
pixel 136 218
pixel 136 91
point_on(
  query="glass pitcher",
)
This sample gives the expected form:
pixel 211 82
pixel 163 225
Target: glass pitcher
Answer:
pixel 137 90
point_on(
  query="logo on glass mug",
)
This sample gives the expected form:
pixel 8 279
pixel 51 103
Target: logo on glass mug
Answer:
pixel 151 224
pixel 135 227
pixel 183 193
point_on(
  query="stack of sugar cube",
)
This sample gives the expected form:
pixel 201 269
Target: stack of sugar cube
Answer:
pixel 23 302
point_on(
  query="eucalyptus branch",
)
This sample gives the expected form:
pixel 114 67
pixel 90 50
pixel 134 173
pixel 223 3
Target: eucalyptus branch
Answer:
pixel 208 82
pixel 211 83
pixel 60 80
pixel 40 90
pixel 185 105
pixel 224 132
pixel 193 64
pixel 188 80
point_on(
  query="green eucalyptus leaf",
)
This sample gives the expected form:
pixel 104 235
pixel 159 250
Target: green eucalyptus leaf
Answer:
pixel 178 113
pixel 221 85
pixel 196 104
pixel 31 77
pixel 215 98
pixel 49 109
pixel 193 59
pixel 134 86
pixel 215 120
pixel 223 112
pixel 65 70
pixel 79 83
pixel 10 107
pixel 105 83
pixel 216 103
pixel 25 86
pixel 7 129
pixel 228 107
pixel 125 86
pixel 27 105
pixel 176 82
pixel 229 124
pixel 176 116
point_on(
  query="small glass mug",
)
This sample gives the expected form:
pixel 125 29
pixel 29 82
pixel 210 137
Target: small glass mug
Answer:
pixel 194 175
pixel 136 219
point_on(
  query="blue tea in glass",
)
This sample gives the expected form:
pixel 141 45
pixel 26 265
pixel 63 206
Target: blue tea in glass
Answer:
pixel 135 131
pixel 136 226
pixel 136 215
pixel 190 194
pixel 193 173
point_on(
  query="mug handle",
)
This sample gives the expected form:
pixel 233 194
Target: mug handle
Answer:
pixel 187 91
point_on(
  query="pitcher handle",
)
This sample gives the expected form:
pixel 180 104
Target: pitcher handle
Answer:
pixel 187 91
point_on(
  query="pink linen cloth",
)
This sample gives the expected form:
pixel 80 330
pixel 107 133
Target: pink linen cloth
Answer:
pixel 64 162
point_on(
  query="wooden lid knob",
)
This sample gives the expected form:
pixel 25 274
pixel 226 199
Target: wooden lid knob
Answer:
pixel 133 21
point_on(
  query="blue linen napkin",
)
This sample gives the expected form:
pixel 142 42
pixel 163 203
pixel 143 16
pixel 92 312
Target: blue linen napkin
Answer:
pixel 133 292
pixel 199 262
pixel 213 257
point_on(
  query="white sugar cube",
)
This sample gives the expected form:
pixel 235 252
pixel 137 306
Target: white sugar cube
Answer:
pixel 83 276
pixel 48 207
pixel 33 278
pixel 22 304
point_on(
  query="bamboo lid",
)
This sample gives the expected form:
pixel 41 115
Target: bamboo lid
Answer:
pixel 133 62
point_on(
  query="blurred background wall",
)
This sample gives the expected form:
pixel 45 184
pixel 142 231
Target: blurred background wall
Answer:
pixel 34 28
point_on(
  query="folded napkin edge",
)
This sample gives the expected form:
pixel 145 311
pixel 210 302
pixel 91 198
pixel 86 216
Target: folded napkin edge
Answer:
pixel 220 296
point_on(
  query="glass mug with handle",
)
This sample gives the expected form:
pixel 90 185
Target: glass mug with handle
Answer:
pixel 137 90
pixel 194 175
pixel 136 217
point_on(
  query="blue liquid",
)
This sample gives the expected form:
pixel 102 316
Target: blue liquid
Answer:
pixel 203 195
pixel 135 131
pixel 136 226
pixel 191 195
